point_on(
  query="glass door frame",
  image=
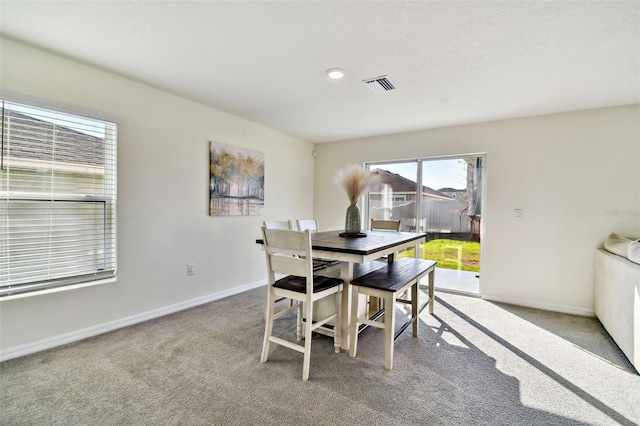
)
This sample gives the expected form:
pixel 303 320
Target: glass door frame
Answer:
pixel 418 208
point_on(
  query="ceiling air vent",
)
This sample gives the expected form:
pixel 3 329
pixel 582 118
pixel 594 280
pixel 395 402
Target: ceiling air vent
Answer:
pixel 380 84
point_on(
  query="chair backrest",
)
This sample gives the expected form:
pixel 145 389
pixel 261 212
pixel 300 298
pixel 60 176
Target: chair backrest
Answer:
pixel 277 224
pixel 310 224
pixel 288 252
pixel 391 225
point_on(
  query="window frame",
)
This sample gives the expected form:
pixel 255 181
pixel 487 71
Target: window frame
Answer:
pixel 107 199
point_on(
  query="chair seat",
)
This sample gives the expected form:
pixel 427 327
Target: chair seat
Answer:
pixel 298 284
pixel 319 264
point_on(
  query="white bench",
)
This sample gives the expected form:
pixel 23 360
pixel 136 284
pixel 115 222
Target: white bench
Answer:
pixel 387 283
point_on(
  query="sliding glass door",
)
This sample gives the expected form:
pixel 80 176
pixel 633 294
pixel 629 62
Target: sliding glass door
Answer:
pixel 453 223
pixel 442 197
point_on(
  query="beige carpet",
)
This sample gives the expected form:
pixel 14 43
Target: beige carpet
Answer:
pixel 474 363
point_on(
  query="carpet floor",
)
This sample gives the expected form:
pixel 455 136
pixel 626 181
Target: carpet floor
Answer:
pixel 474 363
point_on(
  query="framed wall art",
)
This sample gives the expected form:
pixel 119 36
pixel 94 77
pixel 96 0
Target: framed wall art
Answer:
pixel 236 181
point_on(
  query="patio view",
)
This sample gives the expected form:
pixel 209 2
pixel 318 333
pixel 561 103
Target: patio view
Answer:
pixel 449 192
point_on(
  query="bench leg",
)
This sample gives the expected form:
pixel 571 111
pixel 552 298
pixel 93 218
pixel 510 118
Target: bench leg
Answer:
pixel 389 329
pixel 431 290
pixel 353 326
pixel 415 305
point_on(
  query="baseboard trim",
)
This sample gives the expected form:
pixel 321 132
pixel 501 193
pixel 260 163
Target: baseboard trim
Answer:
pixel 63 339
pixel 543 306
pixel 74 336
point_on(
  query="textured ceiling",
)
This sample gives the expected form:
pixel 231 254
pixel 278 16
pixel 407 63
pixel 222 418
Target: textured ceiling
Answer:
pixel 452 62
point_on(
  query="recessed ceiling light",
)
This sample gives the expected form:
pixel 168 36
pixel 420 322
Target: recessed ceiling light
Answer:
pixel 335 73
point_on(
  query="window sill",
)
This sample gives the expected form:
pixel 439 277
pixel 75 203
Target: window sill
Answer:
pixel 59 289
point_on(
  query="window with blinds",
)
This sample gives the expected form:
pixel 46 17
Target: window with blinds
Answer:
pixel 57 200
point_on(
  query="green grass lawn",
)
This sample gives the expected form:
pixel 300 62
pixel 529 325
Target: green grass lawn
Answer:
pixel 450 254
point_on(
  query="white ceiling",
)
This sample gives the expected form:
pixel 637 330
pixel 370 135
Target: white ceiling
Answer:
pixel 452 62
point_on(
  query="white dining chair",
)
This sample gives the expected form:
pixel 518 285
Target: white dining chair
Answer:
pixel 277 224
pixel 310 224
pixel 375 303
pixel 388 225
pixel 289 253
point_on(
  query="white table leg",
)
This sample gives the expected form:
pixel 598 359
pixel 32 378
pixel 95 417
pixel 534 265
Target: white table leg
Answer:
pixel 346 273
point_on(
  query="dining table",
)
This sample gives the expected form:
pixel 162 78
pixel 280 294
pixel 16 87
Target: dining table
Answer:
pixel 355 254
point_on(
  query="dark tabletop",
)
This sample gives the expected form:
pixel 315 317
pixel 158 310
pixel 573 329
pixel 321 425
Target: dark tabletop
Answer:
pixel 375 241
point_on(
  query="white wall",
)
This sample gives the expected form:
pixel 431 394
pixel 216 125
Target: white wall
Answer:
pixel 567 171
pixel 163 220
pixel 564 170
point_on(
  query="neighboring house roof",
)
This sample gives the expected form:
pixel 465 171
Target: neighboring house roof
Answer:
pixel 400 184
pixel 30 139
pixel 456 194
pixel 451 190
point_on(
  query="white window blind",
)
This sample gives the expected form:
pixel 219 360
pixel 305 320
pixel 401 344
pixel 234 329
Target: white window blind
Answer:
pixel 57 199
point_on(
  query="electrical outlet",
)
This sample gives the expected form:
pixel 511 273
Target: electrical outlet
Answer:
pixel 191 269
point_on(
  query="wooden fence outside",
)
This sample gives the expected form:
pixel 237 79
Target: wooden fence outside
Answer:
pixel 440 216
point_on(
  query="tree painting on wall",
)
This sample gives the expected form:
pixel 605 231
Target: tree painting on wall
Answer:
pixel 236 181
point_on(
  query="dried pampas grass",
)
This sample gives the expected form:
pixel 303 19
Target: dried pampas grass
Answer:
pixel 354 180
